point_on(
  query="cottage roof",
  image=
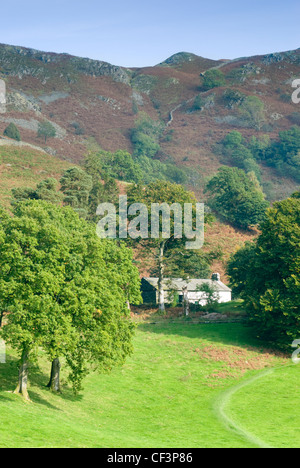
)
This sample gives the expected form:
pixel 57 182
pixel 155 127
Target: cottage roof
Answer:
pixel 178 284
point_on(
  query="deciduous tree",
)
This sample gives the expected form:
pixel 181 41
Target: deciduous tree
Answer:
pixel 237 196
pixel 76 186
pixel 66 291
pixel 153 196
pixel 46 130
pixel 267 274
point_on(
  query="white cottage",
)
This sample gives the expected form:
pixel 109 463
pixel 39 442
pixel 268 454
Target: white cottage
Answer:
pixel 196 293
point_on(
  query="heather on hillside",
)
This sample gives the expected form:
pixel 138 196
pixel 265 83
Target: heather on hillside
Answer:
pixel 162 116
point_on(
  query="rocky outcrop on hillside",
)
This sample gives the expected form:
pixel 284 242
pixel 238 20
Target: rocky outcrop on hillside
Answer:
pixel 20 62
pixel 22 103
pixel 289 56
pixel 94 104
pixel 8 142
pixel 97 68
pixel 182 59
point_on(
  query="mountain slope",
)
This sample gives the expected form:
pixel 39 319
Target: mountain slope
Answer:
pixel 21 166
pixel 93 102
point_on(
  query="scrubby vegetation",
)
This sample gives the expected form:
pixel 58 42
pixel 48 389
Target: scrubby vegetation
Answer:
pixel 281 153
pixel 213 79
pixel 13 132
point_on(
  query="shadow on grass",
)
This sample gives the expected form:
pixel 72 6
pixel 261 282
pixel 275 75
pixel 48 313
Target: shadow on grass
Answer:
pixel 8 374
pixel 37 378
pixel 234 334
pixel 4 399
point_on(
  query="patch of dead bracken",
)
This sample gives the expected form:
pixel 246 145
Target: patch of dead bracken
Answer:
pixel 237 360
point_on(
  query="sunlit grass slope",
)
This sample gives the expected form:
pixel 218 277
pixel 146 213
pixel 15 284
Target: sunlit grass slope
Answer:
pixel 164 396
pixel 25 167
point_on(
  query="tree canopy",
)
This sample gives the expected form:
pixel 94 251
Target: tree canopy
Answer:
pixel 64 289
pixel 237 197
pixel 266 274
pixel 213 79
pixel 46 130
pixel 282 153
pixel 46 190
pixel 165 243
pixel 145 136
pixel 13 132
pixel 76 185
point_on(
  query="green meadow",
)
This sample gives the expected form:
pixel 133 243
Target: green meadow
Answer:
pixel 186 385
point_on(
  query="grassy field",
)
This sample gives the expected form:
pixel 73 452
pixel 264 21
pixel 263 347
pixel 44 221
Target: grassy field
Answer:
pixel 168 394
pixel 268 407
pixel 231 308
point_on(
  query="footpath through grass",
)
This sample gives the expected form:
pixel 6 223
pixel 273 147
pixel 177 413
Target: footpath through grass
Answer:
pixel 163 397
pixel 269 407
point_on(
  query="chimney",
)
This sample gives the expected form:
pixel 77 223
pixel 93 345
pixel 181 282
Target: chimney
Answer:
pixel 216 277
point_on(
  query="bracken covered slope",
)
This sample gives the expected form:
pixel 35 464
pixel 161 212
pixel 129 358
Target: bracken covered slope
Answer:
pixel 102 100
pixel 94 104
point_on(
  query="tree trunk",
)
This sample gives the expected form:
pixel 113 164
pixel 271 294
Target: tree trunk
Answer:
pixel 54 382
pixel 23 375
pixel 161 294
pixel 185 301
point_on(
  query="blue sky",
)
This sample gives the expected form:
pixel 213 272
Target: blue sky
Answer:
pixel 140 33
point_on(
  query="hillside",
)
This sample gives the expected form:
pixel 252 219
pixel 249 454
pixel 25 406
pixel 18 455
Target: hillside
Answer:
pixel 21 166
pixel 94 104
pixel 175 399
pixel 93 101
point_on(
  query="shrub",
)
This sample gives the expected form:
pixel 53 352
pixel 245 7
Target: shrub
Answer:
pixel 232 98
pixel 253 111
pixel 12 131
pixel 285 97
pixel 46 130
pixel 211 296
pixel 233 139
pixel 198 103
pixel 78 129
pixel 295 118
pixel 213 79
